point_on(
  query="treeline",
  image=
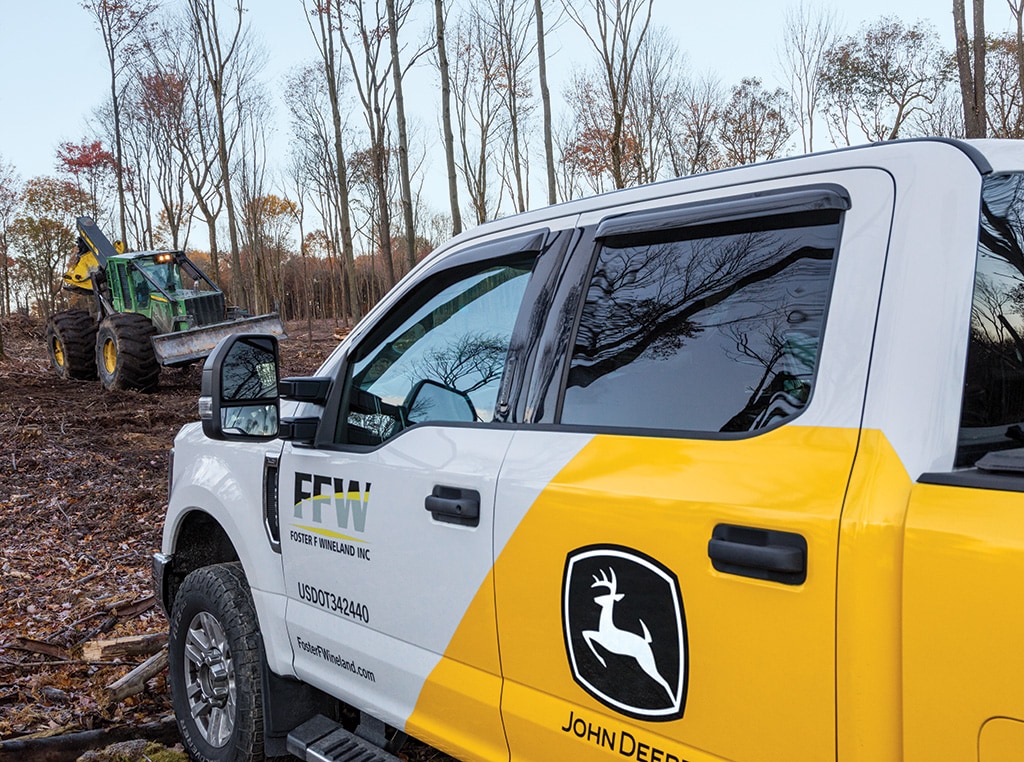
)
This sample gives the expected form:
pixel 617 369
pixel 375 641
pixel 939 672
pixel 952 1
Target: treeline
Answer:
pixel 179 150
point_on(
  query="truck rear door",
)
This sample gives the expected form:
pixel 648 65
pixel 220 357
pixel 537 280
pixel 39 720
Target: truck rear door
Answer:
pixel 963 626
pixel 667 534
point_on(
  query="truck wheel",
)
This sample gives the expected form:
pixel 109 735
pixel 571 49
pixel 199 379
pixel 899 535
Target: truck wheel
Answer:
pixel 124 353
pixel 214 666
pixel 70 338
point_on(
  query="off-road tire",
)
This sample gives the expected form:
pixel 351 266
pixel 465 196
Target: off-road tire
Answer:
pixel 214 659
pixel 124 353
pixel 70 344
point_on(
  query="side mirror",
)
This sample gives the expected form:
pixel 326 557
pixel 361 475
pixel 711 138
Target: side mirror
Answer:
pixel 239 398
pixel 433 401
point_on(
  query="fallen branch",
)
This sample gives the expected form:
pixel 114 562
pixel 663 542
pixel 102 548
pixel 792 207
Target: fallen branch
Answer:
pixel 105 626
pixel 121 648
pixel 130 610
pixel 38 647
pixel 135 681
pixel 72 745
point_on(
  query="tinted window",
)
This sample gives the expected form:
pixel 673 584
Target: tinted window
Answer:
pixel 993 404
pixel 439 357
pixel 713 328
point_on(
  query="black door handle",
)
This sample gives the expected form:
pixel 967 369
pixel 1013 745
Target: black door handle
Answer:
pixel 759 553
pixel 454 505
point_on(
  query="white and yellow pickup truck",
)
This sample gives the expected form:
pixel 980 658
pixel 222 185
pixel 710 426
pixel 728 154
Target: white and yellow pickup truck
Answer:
pixel 726 467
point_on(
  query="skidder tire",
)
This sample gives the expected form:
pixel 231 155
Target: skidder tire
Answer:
pixel 214 666
pixel 124 353
pixel 70 342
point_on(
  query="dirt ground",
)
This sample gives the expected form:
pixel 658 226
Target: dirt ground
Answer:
pixel 83 489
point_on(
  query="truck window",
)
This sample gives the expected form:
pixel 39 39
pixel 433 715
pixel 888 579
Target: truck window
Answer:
pixel 439 357
pixel 992 414
pixel 713 328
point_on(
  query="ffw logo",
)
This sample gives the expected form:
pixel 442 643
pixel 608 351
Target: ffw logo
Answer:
pixel 625 632
pixel 328 501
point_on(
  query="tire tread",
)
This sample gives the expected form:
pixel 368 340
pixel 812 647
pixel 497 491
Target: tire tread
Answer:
pixel 223 591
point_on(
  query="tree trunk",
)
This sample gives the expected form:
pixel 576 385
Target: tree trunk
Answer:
pixel 1017 10
pixel 403 140
pixel 446 117
pixel 350 305
pixel 229 205
pixel 211 226
pixel 979 67
pixel 545 97
pixel 118 150
pixel 972 124
pixel 383 203
pixel 216 62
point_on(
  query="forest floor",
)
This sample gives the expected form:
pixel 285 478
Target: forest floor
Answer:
pixel 83 490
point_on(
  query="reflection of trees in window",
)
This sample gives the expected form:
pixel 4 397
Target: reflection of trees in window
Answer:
pixel 653 298
pixel 468 363
pixel 457 338
pixel 994 380
pixel 726 321
pixel 788 359
pixel 249 373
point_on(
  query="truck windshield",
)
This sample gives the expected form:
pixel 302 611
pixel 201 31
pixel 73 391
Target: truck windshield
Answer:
pixel 992 414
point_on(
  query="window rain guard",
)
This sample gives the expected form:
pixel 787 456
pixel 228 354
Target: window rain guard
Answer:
pixel 805 199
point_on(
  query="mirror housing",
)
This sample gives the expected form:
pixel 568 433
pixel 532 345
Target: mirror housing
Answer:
pixel 299 430
pixel 239 394
pixel 313 389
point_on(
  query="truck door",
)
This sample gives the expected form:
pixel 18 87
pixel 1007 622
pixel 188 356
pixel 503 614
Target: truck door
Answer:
pixel 963 561
pixel 667 534
pixel 387 522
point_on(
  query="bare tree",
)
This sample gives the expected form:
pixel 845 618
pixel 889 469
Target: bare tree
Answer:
pixel 371 70
pixel 261 212
pixel 586 150
pixel 1017 11
pixel 328 18
pixel 477 108
pixel 970 66
pixel 394 23
pixel 545 99
pixel 695 147
pixel 511 22
pixel 228 62
pixel 440 30
pixel 120 23
pixel 807 34
pixel 655 104
pixel 1003 102
pixel 191 127
pixel 160 107
pixel 10 199
pixel 754 126
pixel 616 32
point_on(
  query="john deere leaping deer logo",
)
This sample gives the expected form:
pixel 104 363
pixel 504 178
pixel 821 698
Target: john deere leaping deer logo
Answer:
pixel 625 633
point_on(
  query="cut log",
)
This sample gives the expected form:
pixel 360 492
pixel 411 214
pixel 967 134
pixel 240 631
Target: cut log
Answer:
pixel 72 745
pixel 135 681
pixel 121 648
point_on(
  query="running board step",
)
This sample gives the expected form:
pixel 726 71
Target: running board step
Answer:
pixel 323 740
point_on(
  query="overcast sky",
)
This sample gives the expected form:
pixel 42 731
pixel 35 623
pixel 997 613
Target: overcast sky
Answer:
pixel 53 68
